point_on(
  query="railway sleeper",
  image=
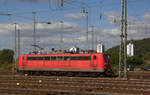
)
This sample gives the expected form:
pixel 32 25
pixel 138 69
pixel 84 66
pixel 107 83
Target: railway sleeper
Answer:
pixel 79 88
pixel 17 91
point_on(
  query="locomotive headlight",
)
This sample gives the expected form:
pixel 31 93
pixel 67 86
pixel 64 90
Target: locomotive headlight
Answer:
pixel 17 84
pixel 40 81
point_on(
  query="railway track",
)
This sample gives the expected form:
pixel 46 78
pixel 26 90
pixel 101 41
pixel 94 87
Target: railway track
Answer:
pixel 72 80
pixel 62 85
pixel 139 75
pixel 6 72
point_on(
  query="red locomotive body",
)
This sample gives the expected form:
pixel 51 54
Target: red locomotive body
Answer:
pixel 94 62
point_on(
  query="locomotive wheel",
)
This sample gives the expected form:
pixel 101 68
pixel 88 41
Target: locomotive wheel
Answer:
pixel 108 73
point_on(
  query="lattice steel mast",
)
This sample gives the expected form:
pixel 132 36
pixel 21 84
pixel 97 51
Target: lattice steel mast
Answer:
pixel 123 39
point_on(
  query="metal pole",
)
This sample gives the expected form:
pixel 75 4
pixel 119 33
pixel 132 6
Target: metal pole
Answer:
pixel 15 52
pixel 18 42
pixel 61 35
pixel 85 12
pixel 62 3
pixel 87 47
pixel 34 33
pixel 96 42
pixel 92 37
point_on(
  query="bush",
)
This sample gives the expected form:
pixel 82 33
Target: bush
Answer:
pixel 134 61
pixel 6 58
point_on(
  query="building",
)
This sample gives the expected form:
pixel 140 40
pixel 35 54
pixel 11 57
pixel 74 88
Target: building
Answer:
pixel 130 49
pixel 100 48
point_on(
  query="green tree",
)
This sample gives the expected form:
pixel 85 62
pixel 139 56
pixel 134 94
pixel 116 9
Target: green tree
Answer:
pixel 6 56
pixel 135 61
pixel 114 55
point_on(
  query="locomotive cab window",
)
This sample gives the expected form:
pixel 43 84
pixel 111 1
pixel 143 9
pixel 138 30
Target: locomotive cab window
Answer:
pixel 30 58
pixel 23 58
pixel 94 57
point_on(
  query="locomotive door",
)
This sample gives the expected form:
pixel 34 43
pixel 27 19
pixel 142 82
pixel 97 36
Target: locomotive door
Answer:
pixel 24 60
pixel 94 61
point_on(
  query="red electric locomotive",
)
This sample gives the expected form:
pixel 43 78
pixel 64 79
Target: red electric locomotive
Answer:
pixel 94 62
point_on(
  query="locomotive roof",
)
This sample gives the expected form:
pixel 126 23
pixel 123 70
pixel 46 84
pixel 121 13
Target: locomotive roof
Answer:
pixel 61 54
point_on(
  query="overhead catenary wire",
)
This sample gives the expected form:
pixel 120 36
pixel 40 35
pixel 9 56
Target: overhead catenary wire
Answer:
pixel 72 2
pixel 75 6
pixel 20 15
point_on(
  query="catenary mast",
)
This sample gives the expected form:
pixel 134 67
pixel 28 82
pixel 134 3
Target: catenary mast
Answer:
pixel 123 40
